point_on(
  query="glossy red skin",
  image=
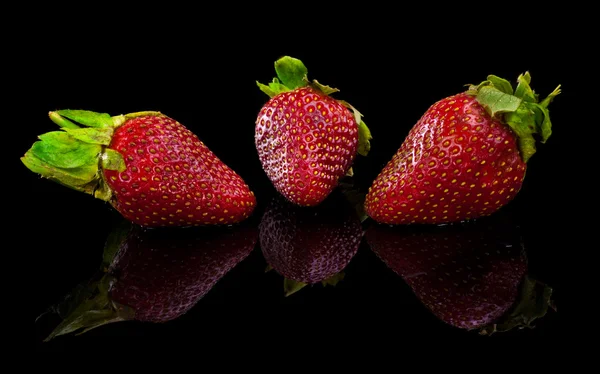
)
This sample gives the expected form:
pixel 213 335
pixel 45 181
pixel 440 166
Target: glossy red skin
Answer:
pixel 162 276
pixel 309 244
pixel 172 178
pixel 457 163
pixel 468 277
pixel 305 141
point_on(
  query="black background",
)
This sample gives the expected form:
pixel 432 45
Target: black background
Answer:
pixel 204 76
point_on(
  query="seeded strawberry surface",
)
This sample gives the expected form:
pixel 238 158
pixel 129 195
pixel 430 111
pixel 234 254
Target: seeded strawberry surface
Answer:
pixel 309 244
pixel 456 163
pixel 162 277
pixel 153 275
pixel 468 277
pixel 172 178
pixel 306 141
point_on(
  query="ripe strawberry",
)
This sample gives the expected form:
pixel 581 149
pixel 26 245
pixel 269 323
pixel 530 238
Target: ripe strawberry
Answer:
pixel 149 167
pixel 471 275
pixel 309 245
pixel 465 158
pixel 306 140
pixel 155 275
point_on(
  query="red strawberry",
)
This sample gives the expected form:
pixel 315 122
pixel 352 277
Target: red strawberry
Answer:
pixel 156 275
pixel 151 168
pixel 306 140
pixel 465 158
pixel 309 245
pixel 471 276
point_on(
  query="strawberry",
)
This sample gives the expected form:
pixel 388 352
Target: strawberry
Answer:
pixel 155 275
pixel 466 157
pixel 309 245
pixel 306 140
pixel 149 167
pixel 471 275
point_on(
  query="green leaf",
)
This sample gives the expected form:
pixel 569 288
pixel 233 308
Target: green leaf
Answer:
pixel 546 127
pixel 550 97
pixel 535 298
pixel 357 115
pixel 80 179
pixel 495 101
pixel 474 89
pixel 334 279
pixel 523 90
pixel 356 199
pixel 113 160
pixel 88 118
pixel 291 72
pixel 364 139
pixel 501 84
pixel 62 121
pixel 59 149
pixel 114 242
pixel 542 120
pixel 89 307
pixel 273 89
pixel 85 321
pixel 523 123
pixel 266 89
pixel 291 286
pixel 327 90
pixel 92 135
pixel 364 134
pixel 521 111
pixel 102 191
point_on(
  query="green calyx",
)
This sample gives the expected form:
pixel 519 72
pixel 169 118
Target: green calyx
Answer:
pixel 535 298
pixel 89 304
pixel 75 155
pixel 293 74
pixel 291 286
pixel 520 109
pixel 88 307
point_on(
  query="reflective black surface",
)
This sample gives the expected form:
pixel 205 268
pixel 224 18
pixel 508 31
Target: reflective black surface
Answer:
pixel 321 265
pixel 239 296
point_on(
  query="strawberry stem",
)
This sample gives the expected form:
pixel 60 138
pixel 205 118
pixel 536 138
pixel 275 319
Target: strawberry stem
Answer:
pixel 519 109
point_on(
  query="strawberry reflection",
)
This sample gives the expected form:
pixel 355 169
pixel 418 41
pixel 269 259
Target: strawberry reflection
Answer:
pixel 471 275
pixel 154 275
pixel 308 245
